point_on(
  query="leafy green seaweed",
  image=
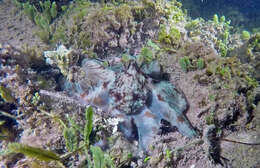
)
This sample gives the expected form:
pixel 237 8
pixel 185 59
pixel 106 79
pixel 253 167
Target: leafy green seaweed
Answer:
pixel 6 94
pixel 33 152
pixel 185 63
pixel 89 124
pixel 70 136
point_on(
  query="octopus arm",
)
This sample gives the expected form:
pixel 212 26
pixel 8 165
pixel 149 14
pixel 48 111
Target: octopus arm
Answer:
pixel 148 125
pixel 170 105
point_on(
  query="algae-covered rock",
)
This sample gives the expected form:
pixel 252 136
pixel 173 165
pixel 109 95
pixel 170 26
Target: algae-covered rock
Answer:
pixel 241 155
pixel 249 53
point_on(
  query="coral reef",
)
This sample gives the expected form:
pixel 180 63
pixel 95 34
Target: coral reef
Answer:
pixel 164 90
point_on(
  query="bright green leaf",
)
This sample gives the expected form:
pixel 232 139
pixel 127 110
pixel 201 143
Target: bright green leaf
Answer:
pixel 89 123
pixel 98 157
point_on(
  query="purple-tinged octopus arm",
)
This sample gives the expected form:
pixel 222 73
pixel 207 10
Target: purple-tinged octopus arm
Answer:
pixel 170 105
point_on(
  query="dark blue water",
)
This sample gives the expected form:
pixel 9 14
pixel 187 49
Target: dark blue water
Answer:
pixel 244 14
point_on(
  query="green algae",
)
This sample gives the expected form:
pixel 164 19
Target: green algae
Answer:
pixel 210 118
pixel 6 94
pixel 222 47
pixel 185 63
pixel 33 152
pixel 191 64
pixel 193 24
pixel 171 37
pixel 215 19
pixel 200 63
pixel 146 55
pixel 245 35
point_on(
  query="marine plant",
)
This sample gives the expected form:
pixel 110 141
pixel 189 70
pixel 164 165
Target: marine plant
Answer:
pixel 6 94
pixel 88 125
pixel 200 63
pixel 222 47
pixel 44 35
pixel 222 26
pixel 146 159
pixel 215 19
pixel 42 16
pixel 245 35
pixel 210 118
pixel 251 82
pixel 225 36
pixel 33 152
pixel 222 19
pixel 168 153
pixel 223 71
pixel 254 44
pixel 153 45
pixel 36 99
pixel 29 10
pixel 170 37
pixel 192 24
pixel 189 63
pixel 92 22
pixel 148 53
pixel 95 157
pixel 185 63
pixel 63 58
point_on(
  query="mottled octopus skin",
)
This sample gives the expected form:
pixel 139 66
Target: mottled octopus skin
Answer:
pixel 134 94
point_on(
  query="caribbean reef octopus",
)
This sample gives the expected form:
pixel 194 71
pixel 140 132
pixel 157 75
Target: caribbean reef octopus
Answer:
pixel 141 95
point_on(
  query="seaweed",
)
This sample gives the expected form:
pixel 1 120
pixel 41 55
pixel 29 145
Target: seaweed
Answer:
pixel 193 24
pixel 215 19
pixel 42 15
pixel 171 37
pixel 100 158
pixel 33 152
pixel 36 99
pixel 146 55
pixel 245 35
pixel 6 94
pixel 185 63
pixel 94 154
pixel 200 63
pixel 29 10
pixel 88 125
pixel 222 47
pixel 71 141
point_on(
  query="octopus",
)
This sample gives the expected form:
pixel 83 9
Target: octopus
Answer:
pixel 142 96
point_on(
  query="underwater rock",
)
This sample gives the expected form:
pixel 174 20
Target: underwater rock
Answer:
pixel 249 53
pixel 129 93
